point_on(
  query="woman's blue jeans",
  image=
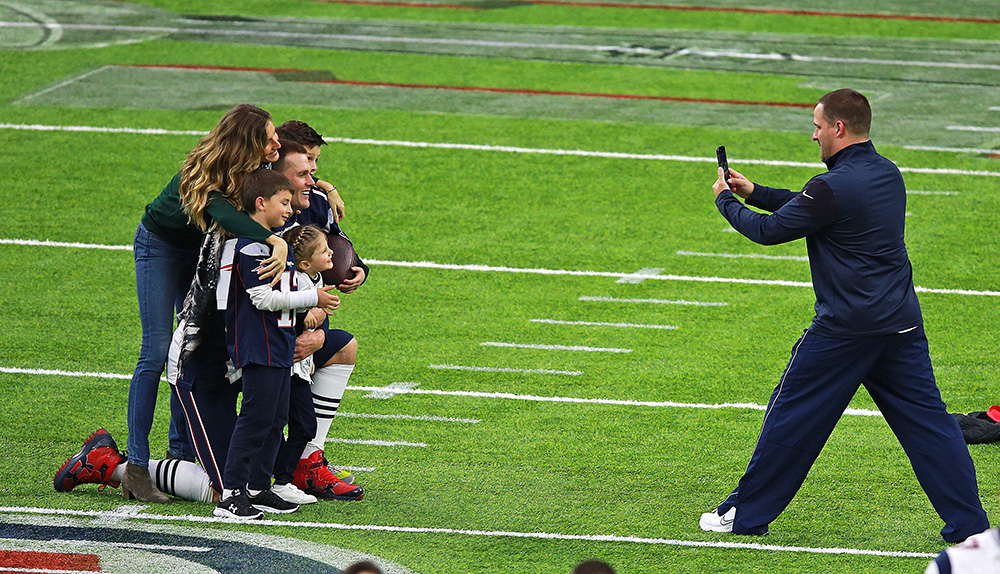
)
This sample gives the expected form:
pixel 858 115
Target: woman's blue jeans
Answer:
pixel 163 274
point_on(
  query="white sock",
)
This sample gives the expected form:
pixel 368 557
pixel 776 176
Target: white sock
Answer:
pixel 181 478
pixel 119 472
pixel 328 386
pixel 253 492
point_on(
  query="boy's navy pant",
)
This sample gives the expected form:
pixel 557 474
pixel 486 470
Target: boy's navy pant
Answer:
pixel 258 431
pixel 815 389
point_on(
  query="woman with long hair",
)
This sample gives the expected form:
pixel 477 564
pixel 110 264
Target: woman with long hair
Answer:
pixel 205 191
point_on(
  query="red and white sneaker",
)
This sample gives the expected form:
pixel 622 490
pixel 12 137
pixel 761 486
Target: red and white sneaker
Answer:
pixel 94 463
pixel 314 477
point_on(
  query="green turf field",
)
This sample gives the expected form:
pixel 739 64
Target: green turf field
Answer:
pixel 576 345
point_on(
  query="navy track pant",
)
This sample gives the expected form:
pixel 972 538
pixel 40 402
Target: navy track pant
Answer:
pixel 210 411
pixel 817 386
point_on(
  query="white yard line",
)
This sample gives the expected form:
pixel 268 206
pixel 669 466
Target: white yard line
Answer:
pixel 500 269
pixel 922 192
pixel 477 394
pixel 143 515
pixel 514 149
pixel 746 256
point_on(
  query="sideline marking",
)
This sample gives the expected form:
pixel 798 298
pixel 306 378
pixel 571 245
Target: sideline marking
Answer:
pixel 476 394
pixel 542 271
pixel 505 370
pixel 602 324
pixel 511 149
pixel 747 256
pixel 555 347
pixel 617 49
pixel 658 301
pixel 489 533
pixel 627 5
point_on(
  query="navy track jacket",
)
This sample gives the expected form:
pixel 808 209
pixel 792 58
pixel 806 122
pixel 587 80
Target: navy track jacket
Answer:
pixel 853 219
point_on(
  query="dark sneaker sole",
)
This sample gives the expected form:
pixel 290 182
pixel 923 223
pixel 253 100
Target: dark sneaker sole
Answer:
pixel 265 508
pixel 223 513
pixel 324 495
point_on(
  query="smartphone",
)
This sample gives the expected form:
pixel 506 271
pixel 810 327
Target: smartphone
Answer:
pixel 720 152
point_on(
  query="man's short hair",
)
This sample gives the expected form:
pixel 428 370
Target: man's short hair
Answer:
pixel 286 149
pixel 298 132
pixel 262 183
pixel 849 106
pixel 593 567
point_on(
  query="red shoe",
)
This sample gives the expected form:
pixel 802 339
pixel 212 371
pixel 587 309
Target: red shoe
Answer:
pixel 94 463
pixel 314 477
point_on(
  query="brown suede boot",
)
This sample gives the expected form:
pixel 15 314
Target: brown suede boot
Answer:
pixel 137 485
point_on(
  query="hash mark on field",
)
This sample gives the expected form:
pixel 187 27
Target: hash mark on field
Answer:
pixel 641 275
pixel 602 324
pixel 950 149
pixel 747 256
pixel 657 301
pixel 354 468
pixel 406 417
pixel 377 442
pixel 922 192
pixel 556 347
pixel 973 129
pixel 389 391
pixel 506 370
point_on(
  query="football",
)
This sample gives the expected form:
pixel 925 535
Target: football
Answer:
pixel 343 259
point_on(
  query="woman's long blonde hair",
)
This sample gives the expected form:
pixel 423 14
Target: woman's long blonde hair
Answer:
pixel 234 148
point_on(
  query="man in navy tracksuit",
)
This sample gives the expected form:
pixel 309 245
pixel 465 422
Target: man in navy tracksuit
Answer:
pixel 868 330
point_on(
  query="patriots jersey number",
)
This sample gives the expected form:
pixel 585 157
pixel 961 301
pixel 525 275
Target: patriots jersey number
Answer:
pixel 287 317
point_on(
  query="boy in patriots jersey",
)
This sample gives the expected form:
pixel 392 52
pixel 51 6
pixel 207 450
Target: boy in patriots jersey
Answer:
pixel 260 337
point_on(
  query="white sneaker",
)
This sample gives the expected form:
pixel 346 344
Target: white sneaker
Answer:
pixel 291 493
pixel 713 522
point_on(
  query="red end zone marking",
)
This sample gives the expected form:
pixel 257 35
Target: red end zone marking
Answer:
pixel 684 8
pixel 486 89
pixel 45 561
